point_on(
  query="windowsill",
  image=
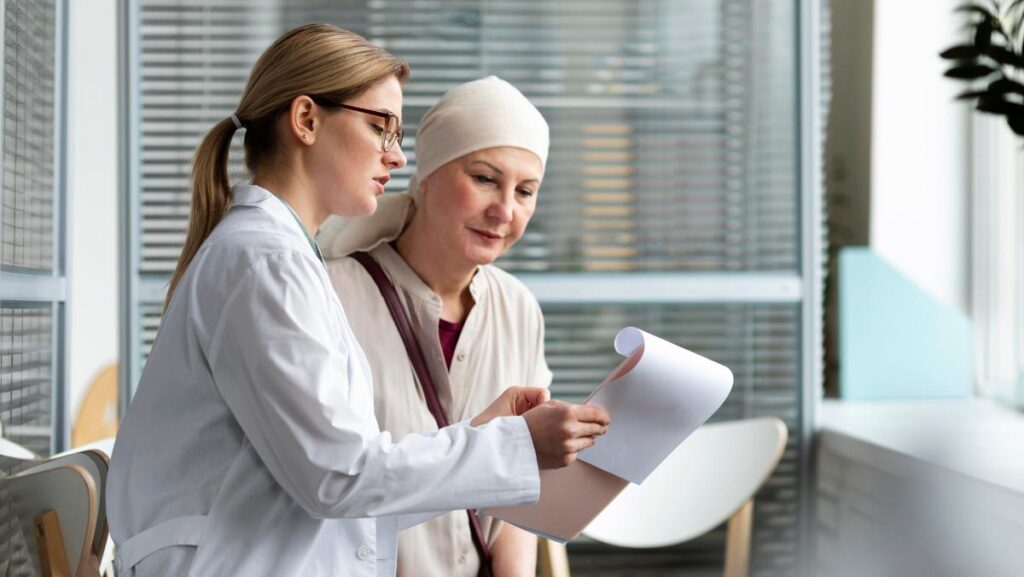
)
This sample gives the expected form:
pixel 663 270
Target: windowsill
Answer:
pixel 973 437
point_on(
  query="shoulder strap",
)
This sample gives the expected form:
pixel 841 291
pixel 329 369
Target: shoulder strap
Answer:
pixel 412 346
pixel 419 365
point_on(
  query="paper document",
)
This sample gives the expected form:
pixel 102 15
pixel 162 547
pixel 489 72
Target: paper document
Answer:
pixel 657 397
pixel 654 404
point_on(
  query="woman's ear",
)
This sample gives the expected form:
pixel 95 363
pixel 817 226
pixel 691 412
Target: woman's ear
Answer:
pixel 304 119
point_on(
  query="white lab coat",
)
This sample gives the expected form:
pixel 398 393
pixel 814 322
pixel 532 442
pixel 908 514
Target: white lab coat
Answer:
pixel 251 447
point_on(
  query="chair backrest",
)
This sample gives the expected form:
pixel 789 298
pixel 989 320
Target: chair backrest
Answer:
pixel 97 413
pixel 9 450
pixel 708 478
pixel 95 461
pixel 72 485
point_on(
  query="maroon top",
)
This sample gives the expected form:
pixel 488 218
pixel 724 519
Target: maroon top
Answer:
pixel 449 335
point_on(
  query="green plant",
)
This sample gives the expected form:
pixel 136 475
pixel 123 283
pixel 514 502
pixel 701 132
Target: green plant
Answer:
pixel 993 62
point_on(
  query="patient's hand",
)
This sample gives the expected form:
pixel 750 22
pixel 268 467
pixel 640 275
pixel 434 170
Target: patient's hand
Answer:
pixel 512 402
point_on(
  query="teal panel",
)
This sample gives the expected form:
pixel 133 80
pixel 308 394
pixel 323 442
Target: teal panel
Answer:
pixel 895 340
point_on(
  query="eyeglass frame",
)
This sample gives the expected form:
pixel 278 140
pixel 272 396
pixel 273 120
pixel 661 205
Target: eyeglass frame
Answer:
pixel 384 146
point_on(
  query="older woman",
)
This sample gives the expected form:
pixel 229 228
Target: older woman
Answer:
pixel 481 152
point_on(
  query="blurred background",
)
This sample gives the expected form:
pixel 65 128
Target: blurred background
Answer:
pixel 789 187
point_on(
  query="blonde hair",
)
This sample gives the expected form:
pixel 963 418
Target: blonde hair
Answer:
pixel 316 60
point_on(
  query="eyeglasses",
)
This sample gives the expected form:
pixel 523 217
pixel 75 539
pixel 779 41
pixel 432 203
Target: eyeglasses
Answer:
pixel 392 132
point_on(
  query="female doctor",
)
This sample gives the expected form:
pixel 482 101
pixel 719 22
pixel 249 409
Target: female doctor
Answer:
pixel 251 446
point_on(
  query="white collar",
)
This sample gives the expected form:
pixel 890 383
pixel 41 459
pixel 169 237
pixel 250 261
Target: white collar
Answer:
pixel 252 195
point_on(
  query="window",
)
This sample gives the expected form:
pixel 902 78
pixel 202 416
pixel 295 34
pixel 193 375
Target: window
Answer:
pixel 682 193
pixel 33 295
pixel 998 260
pixel 32 284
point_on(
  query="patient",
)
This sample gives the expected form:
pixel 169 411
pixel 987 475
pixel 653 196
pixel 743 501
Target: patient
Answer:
pixel 480 155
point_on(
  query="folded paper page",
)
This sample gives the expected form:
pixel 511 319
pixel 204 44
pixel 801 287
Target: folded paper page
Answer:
pixel 666 394
pixel 658 396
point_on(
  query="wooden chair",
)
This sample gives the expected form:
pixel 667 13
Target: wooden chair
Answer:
pixel 97 414
pixel 58 506
pixel 710 479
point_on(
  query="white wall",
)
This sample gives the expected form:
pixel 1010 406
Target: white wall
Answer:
pixel 92 192
pixel 919 181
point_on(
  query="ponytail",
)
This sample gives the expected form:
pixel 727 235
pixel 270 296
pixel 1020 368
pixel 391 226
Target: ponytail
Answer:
pixel 211 195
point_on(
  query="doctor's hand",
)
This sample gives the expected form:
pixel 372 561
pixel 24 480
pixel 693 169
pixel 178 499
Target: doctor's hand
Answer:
pixel 561 430
pixel 512 402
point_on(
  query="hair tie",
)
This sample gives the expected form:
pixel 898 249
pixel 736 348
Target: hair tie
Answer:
pixel 236 121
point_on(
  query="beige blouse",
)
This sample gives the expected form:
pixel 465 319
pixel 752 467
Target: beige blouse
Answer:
pixel 501 345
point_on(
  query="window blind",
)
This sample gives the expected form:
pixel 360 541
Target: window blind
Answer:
pixel 675 152
pixel 28 135
pixel 672 126
pixel 30 311
pixel 32 289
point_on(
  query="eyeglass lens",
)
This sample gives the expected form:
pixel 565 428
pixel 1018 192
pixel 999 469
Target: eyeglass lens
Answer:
pixel 392 133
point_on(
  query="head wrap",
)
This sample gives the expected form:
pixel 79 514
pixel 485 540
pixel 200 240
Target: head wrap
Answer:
pixel 484 113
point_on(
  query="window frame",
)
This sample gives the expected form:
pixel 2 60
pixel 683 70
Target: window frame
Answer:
pixel 51 288
pixel 997 263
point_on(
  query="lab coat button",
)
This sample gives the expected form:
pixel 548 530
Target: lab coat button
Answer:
pixel 461 356
pixel 462 559
pixel 363 553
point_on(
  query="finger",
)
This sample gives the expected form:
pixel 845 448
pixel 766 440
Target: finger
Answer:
pixel 592 414
pixel 590 430
pixel 577 445
pixel 534 396
pixel 527 398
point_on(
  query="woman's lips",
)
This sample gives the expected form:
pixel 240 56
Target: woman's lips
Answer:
pixel 487 236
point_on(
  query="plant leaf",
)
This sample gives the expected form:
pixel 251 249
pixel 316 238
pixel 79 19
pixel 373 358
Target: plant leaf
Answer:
pixel 971 94
pixel 996 105
pixel 962 52
pixel 1003 55
pixel 992 106
pixel 1016 20
pixel 1016 122
pixel 1005 85
pixel 977 9
pixel 983 35
pixel 970 71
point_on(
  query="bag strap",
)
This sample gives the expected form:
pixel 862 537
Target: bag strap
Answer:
pixel 419 365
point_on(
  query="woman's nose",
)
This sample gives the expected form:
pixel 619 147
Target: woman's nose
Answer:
pixel 501 209
pixel 395 158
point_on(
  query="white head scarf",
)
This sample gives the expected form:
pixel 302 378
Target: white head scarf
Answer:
pixel 484 113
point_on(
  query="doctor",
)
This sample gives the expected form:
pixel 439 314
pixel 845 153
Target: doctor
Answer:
pixel 251 446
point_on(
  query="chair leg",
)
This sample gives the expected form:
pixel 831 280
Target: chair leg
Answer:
pixel 737 544
pixel 554 560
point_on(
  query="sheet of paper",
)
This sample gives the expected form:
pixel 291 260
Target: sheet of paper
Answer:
pixel 570 498
pixel 660 395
